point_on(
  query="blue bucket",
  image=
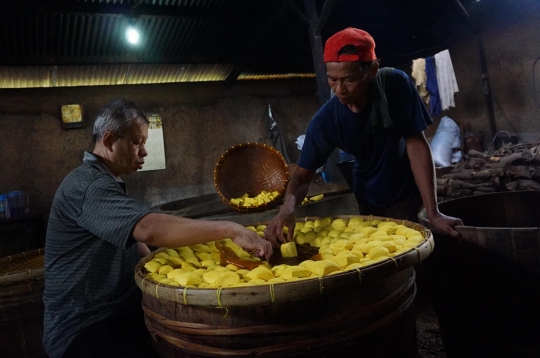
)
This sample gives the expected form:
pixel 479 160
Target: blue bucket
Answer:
pixel 18 204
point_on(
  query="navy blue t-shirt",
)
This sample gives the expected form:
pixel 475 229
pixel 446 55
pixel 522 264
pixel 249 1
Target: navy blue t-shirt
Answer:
pixel 382 172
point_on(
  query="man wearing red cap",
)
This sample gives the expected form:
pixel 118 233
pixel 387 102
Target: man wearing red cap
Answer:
pixel 377 116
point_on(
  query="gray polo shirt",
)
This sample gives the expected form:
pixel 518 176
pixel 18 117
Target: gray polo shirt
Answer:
pixel 90 253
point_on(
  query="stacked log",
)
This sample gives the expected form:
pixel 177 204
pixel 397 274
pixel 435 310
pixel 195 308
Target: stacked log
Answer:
pixel 510 168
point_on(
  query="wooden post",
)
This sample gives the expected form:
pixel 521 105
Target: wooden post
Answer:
pixel 331 170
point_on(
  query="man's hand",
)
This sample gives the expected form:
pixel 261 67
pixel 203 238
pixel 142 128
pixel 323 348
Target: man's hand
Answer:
pixel 249 240
pixel 443 224
pixel 274 229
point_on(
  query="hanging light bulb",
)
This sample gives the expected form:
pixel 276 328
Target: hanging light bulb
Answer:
pixel 132 35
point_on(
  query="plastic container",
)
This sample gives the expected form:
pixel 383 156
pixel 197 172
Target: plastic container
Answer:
pixel 18 204
pixel 4 207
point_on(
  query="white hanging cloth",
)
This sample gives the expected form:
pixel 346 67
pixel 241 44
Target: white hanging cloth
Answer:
pixel 446 79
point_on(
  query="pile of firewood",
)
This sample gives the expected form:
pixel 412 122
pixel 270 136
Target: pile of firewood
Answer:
pixel 512 167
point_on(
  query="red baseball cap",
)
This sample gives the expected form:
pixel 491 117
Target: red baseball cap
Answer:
pixel 360 39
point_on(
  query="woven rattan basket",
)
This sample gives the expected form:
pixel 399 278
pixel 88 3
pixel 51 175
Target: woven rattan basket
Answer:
pixel 21 304
pixel 250 168
pixel 281 320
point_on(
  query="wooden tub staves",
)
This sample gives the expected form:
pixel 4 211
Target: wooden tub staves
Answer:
pixel 21 305
pixel 367 311
pixel 487 285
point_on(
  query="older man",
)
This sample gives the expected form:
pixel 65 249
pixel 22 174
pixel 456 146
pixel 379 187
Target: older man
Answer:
pixel 377 116
pixel 95 237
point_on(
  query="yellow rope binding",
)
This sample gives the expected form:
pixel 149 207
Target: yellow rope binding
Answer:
pixel 359 276
pixel 418 252
pixel 184 295
pixel 393 259
pixel 218 293
pixel 272 293
pixel 157 295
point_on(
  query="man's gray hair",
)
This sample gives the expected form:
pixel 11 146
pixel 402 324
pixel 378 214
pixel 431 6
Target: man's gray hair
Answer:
pixel 117 116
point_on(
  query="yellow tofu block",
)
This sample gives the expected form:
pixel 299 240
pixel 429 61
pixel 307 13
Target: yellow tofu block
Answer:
pixel 353 266
pixel 188 279
pixel 165 269
pixel 177 261
pixel 368 231
pixel 232 267
pixel 242 272
pixel 153 266
pixel 289 250
pixel 306 264
pixel 278 270
pixel 195 262
pixel 295 271
pixel 171 252
pixel 156 276
pixel 165 280
pixel 354 238
pixel 326 251
pixel 163 261
pixel 187 266
pixel 324 267
pixel 201 248
pixel 353 222
pixel 208 263
pixel 260 272
pixel 335 233
pixel 184 250
pixel 377 251
pixel 370 245
pixel 199 272
pixel 276 280
pixel 257 281
pixel 339 224
pixel 201 256
pixel 390 246
pixel 298 226
pixel 418 239
pixel 172 274
pixel 345 259
pixel 316 242
pixel 227 279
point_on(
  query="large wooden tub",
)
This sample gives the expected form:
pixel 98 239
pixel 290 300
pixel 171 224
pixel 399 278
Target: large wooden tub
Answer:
pixel 365 312
pixel 487 286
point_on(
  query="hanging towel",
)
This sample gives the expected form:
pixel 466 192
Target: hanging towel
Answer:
pixel 432 87
pixel 420 78
pixel 380 115
pixel 446 79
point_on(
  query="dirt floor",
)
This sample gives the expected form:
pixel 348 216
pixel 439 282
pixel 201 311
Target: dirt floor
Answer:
pixel 430 344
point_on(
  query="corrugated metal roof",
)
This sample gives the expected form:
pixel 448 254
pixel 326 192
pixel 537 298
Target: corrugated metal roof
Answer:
pixel 51 43
pixel 56 43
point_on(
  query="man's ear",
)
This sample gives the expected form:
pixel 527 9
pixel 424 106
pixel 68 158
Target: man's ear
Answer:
pixel 108 140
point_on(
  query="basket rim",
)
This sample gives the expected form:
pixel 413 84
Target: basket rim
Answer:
pixel 289 291
pixel 281 191
pixel 31 274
